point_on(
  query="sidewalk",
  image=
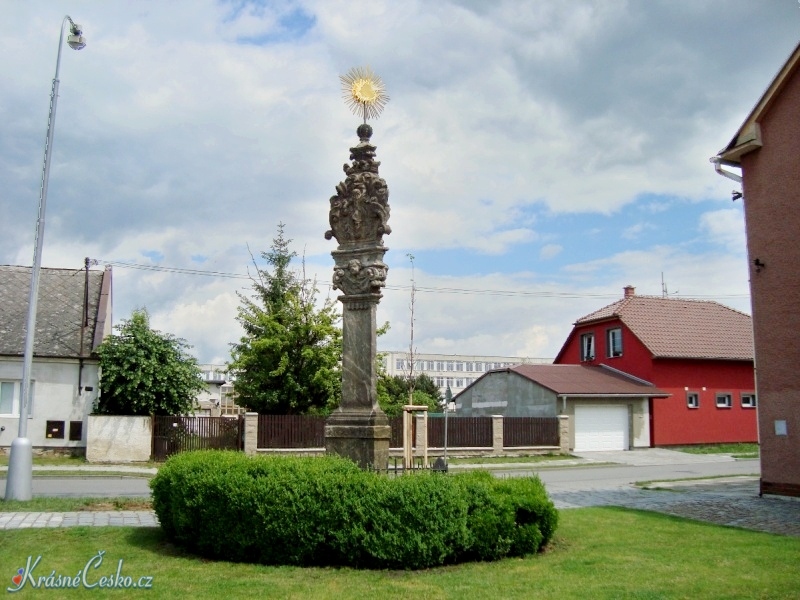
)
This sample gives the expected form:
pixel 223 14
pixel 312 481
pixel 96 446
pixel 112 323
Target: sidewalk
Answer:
pixel 38 520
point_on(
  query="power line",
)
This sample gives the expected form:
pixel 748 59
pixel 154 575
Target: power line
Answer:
pixel 429 290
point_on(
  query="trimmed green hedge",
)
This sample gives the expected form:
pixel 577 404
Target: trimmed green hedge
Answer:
pixel 326 511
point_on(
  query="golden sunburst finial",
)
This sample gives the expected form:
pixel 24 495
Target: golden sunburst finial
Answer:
pixel 364 92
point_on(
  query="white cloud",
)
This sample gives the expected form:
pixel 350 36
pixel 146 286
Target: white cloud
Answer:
pixel 635 231
pixel 724 227
pixel 549 251
pixel 176 135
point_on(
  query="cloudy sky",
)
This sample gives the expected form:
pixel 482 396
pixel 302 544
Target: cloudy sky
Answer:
pixel 540 155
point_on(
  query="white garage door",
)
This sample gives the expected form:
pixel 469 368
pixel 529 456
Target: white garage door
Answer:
pixel 601 428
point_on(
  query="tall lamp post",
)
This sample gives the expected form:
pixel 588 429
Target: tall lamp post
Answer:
pixel 20 462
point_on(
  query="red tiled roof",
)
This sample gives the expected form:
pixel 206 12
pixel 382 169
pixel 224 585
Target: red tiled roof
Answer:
pixel 586 380
pixel 678 328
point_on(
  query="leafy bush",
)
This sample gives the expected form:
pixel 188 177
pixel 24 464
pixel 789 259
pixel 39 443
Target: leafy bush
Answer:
pixel 326 511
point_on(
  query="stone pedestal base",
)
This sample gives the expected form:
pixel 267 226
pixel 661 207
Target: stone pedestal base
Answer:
pixel 363 438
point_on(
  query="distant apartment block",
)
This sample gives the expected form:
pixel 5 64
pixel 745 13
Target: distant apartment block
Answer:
pixel 217 398
pixel 454 370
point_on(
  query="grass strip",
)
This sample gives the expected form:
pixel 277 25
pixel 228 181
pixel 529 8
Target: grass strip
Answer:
pixel 54 504
pixel 738 449
pixel 488 460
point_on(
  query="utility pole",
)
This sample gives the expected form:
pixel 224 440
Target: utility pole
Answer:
pixel 411 349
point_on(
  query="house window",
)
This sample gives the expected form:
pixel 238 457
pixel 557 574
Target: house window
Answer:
pixel 450 366
pixel 470 367
pixel 440 382
pixel 10 397
pixel 459 383
pixel 459 366
pixel 724 401
pixel 614 342
pixel 748 400
pixel 587 346
pixel 400 364
pixel 440 366
pixel 692 399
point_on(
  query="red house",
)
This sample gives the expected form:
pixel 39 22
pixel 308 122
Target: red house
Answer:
pixel 700 352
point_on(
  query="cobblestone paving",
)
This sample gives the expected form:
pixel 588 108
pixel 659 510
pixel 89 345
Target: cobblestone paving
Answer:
pixel 734 504
pixel 121 518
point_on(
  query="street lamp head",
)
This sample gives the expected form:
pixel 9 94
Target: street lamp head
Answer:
pixel 75 40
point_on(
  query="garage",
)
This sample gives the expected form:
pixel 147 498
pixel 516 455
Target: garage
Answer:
pixel 601 427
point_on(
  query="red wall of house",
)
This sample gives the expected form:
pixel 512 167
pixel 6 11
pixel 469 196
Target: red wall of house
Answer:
pixel 676 423
pixel 673 422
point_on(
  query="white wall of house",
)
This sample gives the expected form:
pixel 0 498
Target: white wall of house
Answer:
pixel 56 398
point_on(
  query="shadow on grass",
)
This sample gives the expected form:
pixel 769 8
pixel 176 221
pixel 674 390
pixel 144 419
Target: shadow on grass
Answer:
pixel 153 541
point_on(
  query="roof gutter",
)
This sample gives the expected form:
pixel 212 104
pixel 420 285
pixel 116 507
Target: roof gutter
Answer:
pixel 717 161
pixel 579 395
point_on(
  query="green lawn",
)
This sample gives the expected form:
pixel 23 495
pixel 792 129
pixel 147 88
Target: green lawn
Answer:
pixel 597 553
pixel 55 504
pixel 61 461
pixel 738 450
pixel 488 460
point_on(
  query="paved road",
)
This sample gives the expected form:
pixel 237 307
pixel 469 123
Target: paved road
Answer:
pixel 94 487
pixel 612 477
pixel 590 472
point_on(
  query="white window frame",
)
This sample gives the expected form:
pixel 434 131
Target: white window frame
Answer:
pixel 724 400
pixel 587 346
pixel 749 400
pixel 16 398
pixel 693 400
pixel 611 334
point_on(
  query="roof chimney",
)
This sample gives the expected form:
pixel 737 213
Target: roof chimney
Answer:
pixel 629 291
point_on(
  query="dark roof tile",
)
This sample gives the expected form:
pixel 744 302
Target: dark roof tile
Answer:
pixel 586 380
pixel 59 311
pixel 680 328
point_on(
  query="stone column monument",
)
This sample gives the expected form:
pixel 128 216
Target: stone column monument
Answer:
pixel 359 215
